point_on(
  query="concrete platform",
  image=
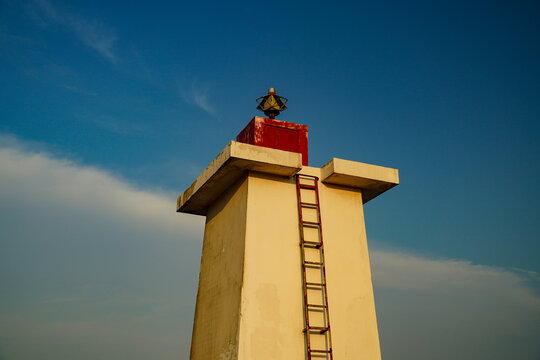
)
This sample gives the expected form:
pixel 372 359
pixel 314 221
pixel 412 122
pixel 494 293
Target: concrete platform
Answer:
pixel 238 158
pixel 232 163
pixel 372 179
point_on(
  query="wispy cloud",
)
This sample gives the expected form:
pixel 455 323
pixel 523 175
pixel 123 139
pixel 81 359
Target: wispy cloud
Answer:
pixel 76 90
pixel 90 264
pixel 116 125
pixel 92 33
pixel 452 309
pixel 65 184
pixel 197 95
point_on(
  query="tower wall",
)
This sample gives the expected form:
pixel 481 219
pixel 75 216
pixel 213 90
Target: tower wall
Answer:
pixel 348 274
pixel 272 312
pixel 215 327
pixel 250 302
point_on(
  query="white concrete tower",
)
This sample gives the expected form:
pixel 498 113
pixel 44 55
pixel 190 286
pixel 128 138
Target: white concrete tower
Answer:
pixel 262 272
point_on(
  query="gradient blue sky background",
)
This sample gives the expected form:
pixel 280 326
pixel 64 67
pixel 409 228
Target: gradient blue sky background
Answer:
pixel 108 112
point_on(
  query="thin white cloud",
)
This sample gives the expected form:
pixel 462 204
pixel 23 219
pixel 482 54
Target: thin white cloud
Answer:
pixel 91 266
pixel 77 90
pixel 452 309
pixel 93 34
pixel 62 183
pixel 116 126
pixel 198 96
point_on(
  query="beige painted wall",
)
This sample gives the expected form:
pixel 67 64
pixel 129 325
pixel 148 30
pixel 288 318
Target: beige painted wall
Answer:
pixel 215 328
pixel 348 275
pixel 272 315
pixel 249 305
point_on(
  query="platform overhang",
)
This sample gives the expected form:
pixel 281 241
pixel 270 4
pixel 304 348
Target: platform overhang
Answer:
pixel 372 179
pixel 232 163
pixel 238 158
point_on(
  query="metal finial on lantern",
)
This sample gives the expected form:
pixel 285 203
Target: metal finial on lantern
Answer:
pixel 271 104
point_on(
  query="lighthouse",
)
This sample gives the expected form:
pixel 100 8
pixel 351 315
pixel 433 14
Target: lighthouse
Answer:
pixel 285 270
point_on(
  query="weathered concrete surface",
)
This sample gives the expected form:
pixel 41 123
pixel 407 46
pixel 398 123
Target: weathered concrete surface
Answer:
pixel 250 298
pixel 271 309
pixel 372 179
pixel 229 166
pixel 348 274
pixel 215 327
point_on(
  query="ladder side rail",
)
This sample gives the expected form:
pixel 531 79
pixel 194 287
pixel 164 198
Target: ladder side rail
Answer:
pixel 324 270
pixel 304 275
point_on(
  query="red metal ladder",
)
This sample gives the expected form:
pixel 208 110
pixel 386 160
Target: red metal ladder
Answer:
pixel 313 249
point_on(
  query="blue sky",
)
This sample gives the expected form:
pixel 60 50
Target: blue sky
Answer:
pixel 115 102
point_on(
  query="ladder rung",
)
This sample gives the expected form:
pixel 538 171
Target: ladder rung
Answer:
pixel 317 306
pixel 321 351
pixel 305 186
pixel 313 243
pixel 316 263
pixel 306 204
pixel 311 223
pixel 321 329
pixel 315 284
pixel 308 176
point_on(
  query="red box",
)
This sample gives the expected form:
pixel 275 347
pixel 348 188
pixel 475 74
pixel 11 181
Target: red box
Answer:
pixel 276 134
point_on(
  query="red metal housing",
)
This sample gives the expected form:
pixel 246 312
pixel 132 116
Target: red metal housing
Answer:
pixel 276 134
